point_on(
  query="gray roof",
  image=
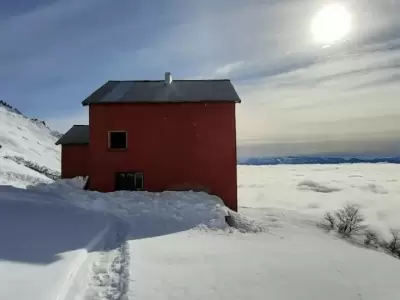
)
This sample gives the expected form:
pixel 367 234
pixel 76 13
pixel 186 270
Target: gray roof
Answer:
pixel 159 92
pixel 77 135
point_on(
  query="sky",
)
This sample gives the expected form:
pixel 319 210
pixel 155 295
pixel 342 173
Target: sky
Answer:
pixel 301 92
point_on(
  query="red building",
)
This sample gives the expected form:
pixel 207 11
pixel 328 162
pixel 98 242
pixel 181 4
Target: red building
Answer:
pixel 156 136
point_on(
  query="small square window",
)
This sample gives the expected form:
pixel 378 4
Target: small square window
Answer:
pixel 117 140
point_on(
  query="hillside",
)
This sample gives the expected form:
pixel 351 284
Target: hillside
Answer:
pixel 28 154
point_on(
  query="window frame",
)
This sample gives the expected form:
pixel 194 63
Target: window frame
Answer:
pixel 109 140
pixel 141 174
pixel 125 175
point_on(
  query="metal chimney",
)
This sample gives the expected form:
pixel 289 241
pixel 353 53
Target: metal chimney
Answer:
pixel 168 78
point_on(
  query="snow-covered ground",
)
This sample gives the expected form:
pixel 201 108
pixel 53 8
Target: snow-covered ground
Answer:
pixel 60 242
pixel 291 263
pixel 42 246
pixel 307 191
pixel 292 258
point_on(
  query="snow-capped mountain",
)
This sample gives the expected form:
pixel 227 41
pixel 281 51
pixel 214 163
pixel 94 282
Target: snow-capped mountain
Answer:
pixel 307 160
pixel 28 153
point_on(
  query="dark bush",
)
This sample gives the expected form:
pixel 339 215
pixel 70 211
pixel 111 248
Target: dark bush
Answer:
pixel 394 244
pixel 346 220
pixel 371 238
pixel 330 220
pixel 349 219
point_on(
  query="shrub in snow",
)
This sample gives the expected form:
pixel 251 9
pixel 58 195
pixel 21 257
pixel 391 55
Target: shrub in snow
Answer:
pixel 394 244
pixel 346 220
pixel 349 219
pixel 330 220
pixel 371 238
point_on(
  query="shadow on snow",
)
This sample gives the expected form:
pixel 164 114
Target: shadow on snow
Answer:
pixel 35 231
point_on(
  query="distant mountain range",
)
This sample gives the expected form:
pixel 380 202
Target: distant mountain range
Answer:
pixel 306 160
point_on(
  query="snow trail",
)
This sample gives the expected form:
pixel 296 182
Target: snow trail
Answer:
pixel 110 272
pixel 79 261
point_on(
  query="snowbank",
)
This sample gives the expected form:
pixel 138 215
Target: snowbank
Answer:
pixel 166 210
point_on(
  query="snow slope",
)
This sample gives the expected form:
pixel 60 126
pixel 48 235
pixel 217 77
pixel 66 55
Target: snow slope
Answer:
pixel 31 140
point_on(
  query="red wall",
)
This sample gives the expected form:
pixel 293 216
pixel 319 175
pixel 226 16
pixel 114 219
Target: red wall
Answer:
pixel 74 160
pixel 176 146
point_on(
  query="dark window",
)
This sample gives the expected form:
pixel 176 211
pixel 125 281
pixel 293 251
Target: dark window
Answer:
pixel 117 140
pixel 129 181
pixel 139 181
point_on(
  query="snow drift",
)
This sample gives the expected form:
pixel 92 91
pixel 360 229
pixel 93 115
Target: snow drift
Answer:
pixel 182 210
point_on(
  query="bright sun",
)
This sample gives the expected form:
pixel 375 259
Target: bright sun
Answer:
pixel 332 24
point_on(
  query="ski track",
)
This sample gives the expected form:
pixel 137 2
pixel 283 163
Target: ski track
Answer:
pixel 110 272
pixel 81 258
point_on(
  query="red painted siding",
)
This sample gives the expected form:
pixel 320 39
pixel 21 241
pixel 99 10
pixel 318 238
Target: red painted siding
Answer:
pixel 176 146
pixel 74 160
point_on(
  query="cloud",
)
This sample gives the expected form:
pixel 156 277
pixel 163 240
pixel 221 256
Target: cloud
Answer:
pixel 228 69
pixel 347 99
pixel 55 54
pixel 371 145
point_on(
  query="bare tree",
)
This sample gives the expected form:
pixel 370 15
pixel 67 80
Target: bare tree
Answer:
pixel 370 237
pixel 349 219
pixel 331 222
pixel 394 244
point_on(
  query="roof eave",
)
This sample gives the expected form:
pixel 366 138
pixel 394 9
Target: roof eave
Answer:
pixel 65 139
pixel 70 144
pixel 86 103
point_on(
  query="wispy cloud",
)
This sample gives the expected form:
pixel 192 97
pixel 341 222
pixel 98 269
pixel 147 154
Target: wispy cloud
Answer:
pixel 55 53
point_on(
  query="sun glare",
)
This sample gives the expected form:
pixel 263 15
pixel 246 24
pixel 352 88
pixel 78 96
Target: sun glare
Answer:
pixel 331 25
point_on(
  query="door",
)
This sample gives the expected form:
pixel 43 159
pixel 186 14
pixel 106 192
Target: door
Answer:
pixel 128 181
